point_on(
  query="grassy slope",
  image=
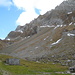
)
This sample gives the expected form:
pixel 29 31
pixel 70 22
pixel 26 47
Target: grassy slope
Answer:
pixel 31 68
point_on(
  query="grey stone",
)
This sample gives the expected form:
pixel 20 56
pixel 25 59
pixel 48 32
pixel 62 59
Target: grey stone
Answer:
pixel 13 61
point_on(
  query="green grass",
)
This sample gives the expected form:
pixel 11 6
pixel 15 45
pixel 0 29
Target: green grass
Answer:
pixel 30 67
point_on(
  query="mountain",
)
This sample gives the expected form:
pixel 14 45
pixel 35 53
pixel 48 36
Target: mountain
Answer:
pixel 49 37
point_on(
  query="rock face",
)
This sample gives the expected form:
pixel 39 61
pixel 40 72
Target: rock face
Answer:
pixel 13 61
pixel 50 36
pixel 5 43
pixel 22 32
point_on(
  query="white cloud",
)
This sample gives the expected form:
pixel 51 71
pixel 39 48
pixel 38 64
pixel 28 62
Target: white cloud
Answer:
pixel 46 5
pixel 24 4
pixel 26 17
pixel 29 7
pixel 5 3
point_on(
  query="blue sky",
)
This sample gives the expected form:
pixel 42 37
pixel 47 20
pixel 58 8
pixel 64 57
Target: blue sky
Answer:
pixel 20 12
pixel 8 19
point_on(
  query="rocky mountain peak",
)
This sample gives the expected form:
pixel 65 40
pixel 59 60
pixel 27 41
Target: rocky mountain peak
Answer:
pixel 19 27
pixel 68 5
pixel 61 15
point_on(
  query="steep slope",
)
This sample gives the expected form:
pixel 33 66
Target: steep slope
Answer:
pixel 6 43
pixel 49 36
pixel 1 44
pixel 58 42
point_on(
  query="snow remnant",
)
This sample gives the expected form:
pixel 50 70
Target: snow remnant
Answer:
pixel 58 26
pixel 46 38
pixel 8 39
pixel 20 31
pixel 71 23
pixel 56 42
pixel 69 34
pixel 69 12
pixel 46 26
pixel 36 47
pixel 28 37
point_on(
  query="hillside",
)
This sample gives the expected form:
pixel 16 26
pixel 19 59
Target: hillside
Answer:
pixel 49 37
pixel 31 68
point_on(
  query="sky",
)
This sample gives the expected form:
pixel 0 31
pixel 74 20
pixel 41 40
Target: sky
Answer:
pixel 20 12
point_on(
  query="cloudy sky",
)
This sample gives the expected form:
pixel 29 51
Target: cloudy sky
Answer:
pixel 20 12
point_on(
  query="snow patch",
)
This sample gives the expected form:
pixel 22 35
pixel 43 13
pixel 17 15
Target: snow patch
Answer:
pixel 69 12
pixel 36 47
pixel 46 38
pixel 71 23
pixel 8 39
pixel 69 34
pixel 28 37
pixel 56 42
pixel 68 60
pixel 20 31
pixel 58 26
pixel 46 26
